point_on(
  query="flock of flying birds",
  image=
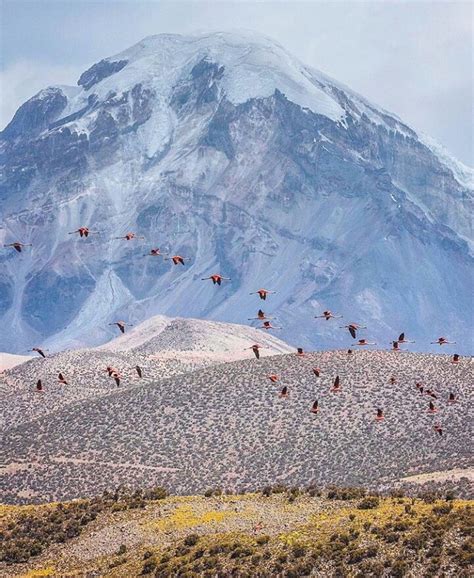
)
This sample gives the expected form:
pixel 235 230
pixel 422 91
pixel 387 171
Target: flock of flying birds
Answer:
pixel 217 279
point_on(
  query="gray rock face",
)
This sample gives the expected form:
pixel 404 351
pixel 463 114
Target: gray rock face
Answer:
pixel 227 151
pixel 99 71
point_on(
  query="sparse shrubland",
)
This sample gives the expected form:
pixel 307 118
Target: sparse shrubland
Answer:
pixel 287 532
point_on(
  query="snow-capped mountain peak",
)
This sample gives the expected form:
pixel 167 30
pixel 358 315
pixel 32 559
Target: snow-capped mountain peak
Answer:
pixel 226 149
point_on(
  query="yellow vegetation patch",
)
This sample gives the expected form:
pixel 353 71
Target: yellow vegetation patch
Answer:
pixel 49 571
pixel 184 516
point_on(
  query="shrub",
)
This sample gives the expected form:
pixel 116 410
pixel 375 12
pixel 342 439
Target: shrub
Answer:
pixel 191 540
pixel 368 503
pixel 149 566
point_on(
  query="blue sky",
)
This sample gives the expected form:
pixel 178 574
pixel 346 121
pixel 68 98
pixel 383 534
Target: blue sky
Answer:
pixel 412 57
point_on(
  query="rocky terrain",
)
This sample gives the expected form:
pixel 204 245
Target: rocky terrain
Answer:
pixel 226 149
pixel 226 426
pixel 281 532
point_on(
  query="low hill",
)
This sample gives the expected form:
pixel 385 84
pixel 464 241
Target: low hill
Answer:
pixel 291 533
pixel 162 347
pixel 226 426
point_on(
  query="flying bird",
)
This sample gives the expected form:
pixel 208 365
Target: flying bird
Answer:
pixel 83 232
pixel 315 407
pixel 18 246
pixel 443 341
pixel 255 348
pixel 455 358
pixel 401 339
pixel 40 351
pixel 116 377
pixel 62 379
pixel 178 260
pixel 216 279
pixel 353 328
pixel 438 429
pixel 452 398
pixel 262 293
pixel 316 371
pixel 396 346
pixel 129 237
pixel 260 315
pixel 283 392
pixel 363 342
pixel 273 378
pixel 337 384
pixel 432 408
pixel 110 370
pixel 380 416
pixel 138 369
pixel 349 352
pixel 328 315
pixel 268 325
pixel 39 385
pixel 121 325
pixel 300 352
pixel 154 253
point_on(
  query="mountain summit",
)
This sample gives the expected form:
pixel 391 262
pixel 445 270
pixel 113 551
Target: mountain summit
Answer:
pixel 227 150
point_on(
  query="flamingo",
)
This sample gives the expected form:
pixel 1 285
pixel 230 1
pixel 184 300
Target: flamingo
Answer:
pixel 177 260
pixel 268 325
pixel 121 325
pixel 438 429
pixel 273 378
pixel 116 377
pixel 353 328
pixel 349 352
pixel 455 358
pixel 396 346
pixel 315 407
pixel 452 398
pixel 432 408
pixel 316 371
pixel 328 315
pixel 300 352
pixel 401 339
pixel 337 384
pixel 62 379
pixel 39 351
pixel 255 348
pixel 138 369
pixel 262 293
pixel 39 385
pixel 260 315
pixel 392 380
pixel 110 370
pixel 363 342
pixel 154 253
pixel 431 394
pixel 216 278
pixel 129 237
pixel 380 416
pixel 443 341
pixel 83 232
pixel 18 246
pixel 284 392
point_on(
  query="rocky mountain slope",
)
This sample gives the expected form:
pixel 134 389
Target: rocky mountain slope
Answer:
pixel 227 150
pixel 226 426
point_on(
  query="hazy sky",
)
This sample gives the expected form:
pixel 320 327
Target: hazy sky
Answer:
pixel 412 57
